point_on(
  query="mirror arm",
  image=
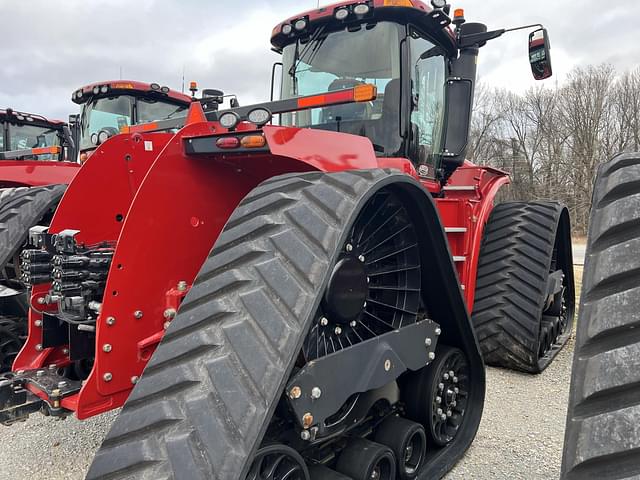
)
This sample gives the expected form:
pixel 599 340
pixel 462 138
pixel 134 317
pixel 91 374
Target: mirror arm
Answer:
pixel 480 39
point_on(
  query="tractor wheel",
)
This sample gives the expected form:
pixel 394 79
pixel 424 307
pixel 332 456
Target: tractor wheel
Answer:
pixel 602 436
pixel 20 209
pixel 13 332
pixel 524 299
pixel 309 267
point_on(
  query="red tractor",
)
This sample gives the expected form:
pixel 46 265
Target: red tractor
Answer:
pixel 298 300
pixel 37 158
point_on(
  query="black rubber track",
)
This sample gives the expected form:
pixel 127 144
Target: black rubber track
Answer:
pixel 13 332
pixel 205 399
pixel 513 269
pixel 602 439
pixel 20 209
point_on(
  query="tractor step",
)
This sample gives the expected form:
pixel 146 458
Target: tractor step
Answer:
pixel 17 402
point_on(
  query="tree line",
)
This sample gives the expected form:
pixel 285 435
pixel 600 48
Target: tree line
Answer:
pixel 551 140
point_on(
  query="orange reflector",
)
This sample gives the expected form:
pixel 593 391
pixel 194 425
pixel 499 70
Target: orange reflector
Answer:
pixel 122 85
pixel 193 85
pixel 365 93
pixel 124 129
pixel 83 157
pixel 458 13
pixel 398 3
pixel 45 150
pixel 253 141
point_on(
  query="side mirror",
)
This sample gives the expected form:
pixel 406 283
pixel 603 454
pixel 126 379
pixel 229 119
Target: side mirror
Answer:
pixel 539 54
pixel 276 80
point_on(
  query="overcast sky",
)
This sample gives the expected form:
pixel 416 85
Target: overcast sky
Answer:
pixel 50 48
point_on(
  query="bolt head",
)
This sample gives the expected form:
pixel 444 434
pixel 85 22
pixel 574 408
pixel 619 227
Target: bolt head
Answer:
pixel 456 390
pixel 454 403
pixel 316 392
pixel 443 417
pixel 438 331
pixel 449 413
pixel 138 314
pixel 427 342
pixel 439 411
pixel 451 373
pixel 445 376
pixel 438 399
pixel 324 321
pixel 353 323
pixel 39 347
pixel 361 258
pixel 455 379
pixel 38 323
pixel 441 386
pixel 40 300
pixel 307 420
pixel 40 373
pixel 295 392
pixel 348 247
pixel 387 365
pixel 432 355
pixel 62 384
pixel 182 285
pixel 305 435
pixel 106 347
pixel 111 321
pixel 166 325
pixel 135 379
pixel 107 377
pixel 170 313
pixel 338 330
pixel 65 351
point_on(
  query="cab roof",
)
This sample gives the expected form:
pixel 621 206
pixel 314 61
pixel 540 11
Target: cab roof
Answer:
pixel 400 11
pixel 30 118
pixel 131 87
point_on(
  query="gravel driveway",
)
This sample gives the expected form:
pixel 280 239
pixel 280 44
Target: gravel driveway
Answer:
pixel 520 436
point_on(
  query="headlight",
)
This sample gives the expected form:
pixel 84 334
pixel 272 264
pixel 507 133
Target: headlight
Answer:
pixel 259 116
pixel 94 139
pixel 287 29
pixel 155 86
pixel 229 120
pixel 164 89
pixel 438 3
pixel 363 9
pixel 300 24
pixel 96 90
pixel 341 13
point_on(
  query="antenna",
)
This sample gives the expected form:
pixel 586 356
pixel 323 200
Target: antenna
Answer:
pixel 182 78
pixel 120 72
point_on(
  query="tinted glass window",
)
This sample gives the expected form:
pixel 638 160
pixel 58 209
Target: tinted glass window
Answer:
pixel 151 110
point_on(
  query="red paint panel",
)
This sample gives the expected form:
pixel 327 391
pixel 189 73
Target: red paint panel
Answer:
pixel 33 173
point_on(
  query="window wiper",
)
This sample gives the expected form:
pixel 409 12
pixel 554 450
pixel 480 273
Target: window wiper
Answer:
pixel 298 56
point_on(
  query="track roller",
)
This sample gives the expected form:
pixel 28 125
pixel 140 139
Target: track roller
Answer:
pixel 408 441
pixel 366 460
pixel 320 472
pixel 278 462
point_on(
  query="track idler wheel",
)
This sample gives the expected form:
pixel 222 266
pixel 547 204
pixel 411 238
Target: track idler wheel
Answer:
pixel 436 396
pixel 278 462
pixel 366 460
pixel 408 441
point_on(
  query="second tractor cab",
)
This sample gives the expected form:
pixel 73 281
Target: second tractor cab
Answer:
pixel 27 138
pixel 108 107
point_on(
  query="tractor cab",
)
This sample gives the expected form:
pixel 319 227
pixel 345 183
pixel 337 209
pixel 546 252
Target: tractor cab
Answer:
pixel 423 71
pixel 108 107
pixel 25 136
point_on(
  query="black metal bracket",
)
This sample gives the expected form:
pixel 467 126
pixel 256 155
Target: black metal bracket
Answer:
pixel 322 386
pixel 17 403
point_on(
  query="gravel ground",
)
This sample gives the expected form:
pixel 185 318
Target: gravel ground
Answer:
pixel 520 436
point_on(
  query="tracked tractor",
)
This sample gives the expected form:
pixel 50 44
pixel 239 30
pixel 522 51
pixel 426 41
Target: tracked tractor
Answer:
pixel 291 289
pixel 37 158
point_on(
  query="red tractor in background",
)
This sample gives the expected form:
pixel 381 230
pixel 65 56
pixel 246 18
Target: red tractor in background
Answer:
pixel 37 158
pixel 298 300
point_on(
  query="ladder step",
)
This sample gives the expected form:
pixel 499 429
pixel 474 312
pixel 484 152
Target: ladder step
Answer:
pixel 459 188
pixel 455 229
pixel 459 258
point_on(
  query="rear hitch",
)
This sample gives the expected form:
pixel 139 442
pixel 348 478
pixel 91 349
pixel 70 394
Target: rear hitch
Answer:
pixel 17 402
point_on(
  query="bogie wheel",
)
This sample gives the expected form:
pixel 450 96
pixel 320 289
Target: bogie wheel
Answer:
pixel 524 299
pixel 437 396
pixel 278 462
pixel 266 300
pixel 602 435
pixel 12 336
pixel 408 441
pixel 366 460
